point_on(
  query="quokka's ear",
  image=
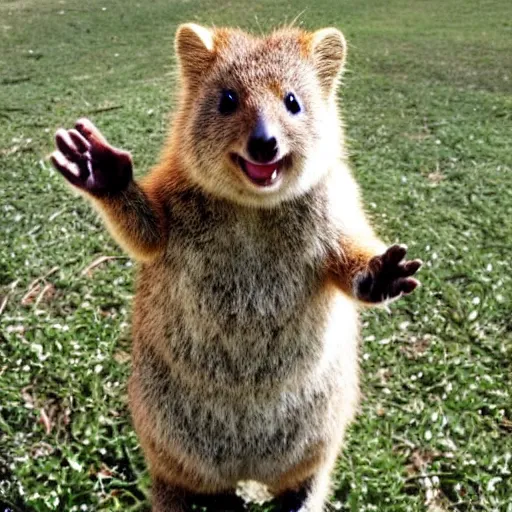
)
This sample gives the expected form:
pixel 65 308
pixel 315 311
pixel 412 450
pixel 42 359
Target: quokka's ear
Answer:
pixel 328 48
pixel 195 50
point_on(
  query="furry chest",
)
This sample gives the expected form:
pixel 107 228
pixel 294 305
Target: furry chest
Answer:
pixel 241 318
pixel 236 299
pixel 255 265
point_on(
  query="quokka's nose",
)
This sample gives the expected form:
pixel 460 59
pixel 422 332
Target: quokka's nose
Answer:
pixel 262 146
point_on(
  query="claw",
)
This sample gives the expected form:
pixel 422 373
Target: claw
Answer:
pixel 68 169
pixel 66 145
pixel 87 129
pixel 80 141
pixel 395 254
pixel 410 268
pixel 408 285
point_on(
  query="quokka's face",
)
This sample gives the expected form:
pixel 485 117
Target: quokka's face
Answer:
pixel 260 125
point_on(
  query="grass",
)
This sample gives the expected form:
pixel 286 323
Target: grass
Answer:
pixel 427 101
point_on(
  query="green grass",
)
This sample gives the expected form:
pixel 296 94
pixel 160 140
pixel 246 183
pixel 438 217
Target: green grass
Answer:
pixel 428 106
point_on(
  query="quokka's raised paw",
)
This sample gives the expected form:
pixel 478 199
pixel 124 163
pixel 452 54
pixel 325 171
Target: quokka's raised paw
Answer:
pixel 387 276
pixel 89 162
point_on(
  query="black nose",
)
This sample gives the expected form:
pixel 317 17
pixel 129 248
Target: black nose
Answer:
pixel 262 146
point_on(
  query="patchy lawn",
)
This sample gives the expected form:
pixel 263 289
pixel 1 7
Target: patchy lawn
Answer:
pixel 428 106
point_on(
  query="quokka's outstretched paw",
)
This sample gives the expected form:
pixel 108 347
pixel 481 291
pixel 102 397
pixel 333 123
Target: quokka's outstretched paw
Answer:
pixel 387 276
pixel 89 162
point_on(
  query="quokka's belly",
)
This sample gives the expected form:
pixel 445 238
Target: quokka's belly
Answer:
pixel 249 408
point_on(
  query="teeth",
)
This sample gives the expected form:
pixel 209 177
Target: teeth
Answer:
pixel 274 175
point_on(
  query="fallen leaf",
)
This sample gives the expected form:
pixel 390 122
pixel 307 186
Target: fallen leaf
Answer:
pixel 436 177
pixel 45 421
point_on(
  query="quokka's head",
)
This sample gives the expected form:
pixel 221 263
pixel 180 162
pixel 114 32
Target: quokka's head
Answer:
pixel 257 122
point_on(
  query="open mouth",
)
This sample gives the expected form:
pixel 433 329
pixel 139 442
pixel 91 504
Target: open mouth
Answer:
pixel 262 175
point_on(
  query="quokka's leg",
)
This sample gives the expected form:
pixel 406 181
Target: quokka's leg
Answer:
pixel 167 498
pixel 221 502
pixel 294 500
pixel 310 494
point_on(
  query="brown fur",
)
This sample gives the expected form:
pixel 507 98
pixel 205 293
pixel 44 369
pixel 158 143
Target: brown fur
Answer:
pixel 244 325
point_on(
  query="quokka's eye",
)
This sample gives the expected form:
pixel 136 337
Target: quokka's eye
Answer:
pixel 292 104
pixel 228 102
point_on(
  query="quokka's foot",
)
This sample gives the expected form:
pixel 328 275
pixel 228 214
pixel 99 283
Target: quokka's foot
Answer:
pixel 166 498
